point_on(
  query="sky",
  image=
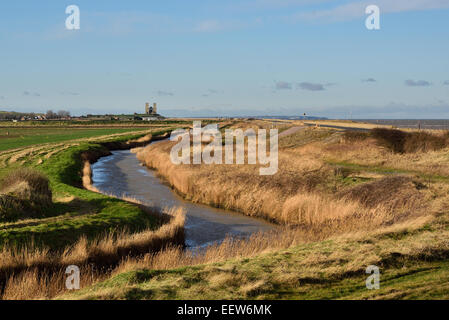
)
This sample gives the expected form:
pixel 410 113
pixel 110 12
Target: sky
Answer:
pixel 227 58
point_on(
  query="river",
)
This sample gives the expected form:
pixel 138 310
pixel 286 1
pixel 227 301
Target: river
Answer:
pixel 122 174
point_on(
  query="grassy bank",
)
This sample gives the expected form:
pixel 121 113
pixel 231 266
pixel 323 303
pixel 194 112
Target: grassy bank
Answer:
pixel 412 257
pixel 75 212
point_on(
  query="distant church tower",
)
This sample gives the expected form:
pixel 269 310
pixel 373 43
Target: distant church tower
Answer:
pixel 155 107
pixel 147 108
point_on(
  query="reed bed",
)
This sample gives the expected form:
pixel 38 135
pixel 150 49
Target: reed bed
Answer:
pixel 306 192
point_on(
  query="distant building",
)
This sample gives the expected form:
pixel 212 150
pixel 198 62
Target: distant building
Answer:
pixel 147 108
pixel 150 118
pixel 150 110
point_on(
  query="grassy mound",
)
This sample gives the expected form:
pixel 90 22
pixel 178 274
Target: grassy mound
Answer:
pixel 25 193
pixel 390 192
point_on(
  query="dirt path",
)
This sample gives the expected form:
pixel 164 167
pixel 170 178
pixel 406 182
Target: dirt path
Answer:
pixel 290 131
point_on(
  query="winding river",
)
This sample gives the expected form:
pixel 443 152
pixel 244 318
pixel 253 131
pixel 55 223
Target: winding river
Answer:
pixel 122 174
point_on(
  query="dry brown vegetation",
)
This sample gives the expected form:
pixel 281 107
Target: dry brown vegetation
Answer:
pixel 307 192
pixel 372 215
pixel 24 193
pixel 284 260
pixel 41 271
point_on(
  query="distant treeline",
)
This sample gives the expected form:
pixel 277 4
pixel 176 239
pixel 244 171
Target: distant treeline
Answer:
pixel 57 115
pixel 6 115
pixel 11 115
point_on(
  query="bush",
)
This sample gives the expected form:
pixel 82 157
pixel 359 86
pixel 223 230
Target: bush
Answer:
pixel 407 142
pixel 24 193
pixel 423 141
pixel 390 138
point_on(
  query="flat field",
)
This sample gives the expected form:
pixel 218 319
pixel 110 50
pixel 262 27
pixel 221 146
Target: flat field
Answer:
pixel 17 137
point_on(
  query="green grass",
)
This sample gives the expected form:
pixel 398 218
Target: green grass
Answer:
pixel 89 214
pixel 22 137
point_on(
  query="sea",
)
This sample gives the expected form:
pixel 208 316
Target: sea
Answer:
pixel 435 124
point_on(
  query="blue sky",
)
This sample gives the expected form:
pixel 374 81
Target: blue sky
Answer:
pixel 225 58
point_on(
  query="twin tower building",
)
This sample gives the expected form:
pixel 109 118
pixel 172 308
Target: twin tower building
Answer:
pixel 150 110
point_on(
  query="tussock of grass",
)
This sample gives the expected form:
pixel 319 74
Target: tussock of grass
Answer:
pixel 24 193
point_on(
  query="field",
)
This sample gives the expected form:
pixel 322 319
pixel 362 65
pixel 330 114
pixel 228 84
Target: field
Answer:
pixel 12 138
pixel 344 200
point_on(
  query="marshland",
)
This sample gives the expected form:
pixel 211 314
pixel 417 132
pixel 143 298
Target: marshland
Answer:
pixel 340 201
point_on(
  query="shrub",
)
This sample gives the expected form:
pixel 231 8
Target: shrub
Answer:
pixel 27 184
pixel 390 138
pixel 423 141
pixel 24 193
pixel 407 142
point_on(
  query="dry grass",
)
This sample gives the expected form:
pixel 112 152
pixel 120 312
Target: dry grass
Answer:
pixel 42 271
pixel 306 192
pixel 251 268
pixel 37 184
pixel 230 248
pixel 24 193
